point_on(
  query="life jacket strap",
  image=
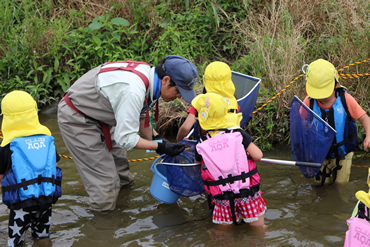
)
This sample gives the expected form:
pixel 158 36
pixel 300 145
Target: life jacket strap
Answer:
pixel 24 184
pixel 242 193
pixel 337 167
pixel 209 200
pixel 232 209
pixel 230 196
pixel 103 126
pixel 347 140
pixel 363 211
pixel 231 179
pixel 323 173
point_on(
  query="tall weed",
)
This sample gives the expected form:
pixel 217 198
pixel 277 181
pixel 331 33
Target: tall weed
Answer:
pixel 276 48
pixel 287 34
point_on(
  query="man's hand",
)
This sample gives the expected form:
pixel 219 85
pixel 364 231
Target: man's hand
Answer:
pixel 169 148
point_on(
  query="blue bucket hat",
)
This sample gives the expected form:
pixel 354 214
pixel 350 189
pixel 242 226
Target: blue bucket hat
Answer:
pixel 183 73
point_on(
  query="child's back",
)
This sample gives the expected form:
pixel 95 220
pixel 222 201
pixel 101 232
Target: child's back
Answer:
pixel 230 179
pixel 32 181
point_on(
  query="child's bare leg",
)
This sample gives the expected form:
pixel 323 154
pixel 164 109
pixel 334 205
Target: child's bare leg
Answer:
pixel 259 222
pixel 259 225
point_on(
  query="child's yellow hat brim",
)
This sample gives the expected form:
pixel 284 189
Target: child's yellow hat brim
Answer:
pixel 213 112
pixel 320 76
pixel 363 197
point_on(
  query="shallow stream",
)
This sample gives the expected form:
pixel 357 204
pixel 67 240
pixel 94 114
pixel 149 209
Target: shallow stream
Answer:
pixel 298 214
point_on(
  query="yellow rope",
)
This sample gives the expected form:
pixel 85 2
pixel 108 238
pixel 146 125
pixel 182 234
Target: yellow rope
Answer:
pixel 359 166
pixel 343 76
pixel 67 157
pixel 268 102
pixel 133 160
pixel 355 63
pixel 352 76
pixel 143 159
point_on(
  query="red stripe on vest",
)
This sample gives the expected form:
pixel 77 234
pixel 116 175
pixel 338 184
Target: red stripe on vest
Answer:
pixel 104 126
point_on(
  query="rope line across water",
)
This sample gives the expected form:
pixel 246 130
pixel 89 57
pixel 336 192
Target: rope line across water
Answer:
pixel 133 160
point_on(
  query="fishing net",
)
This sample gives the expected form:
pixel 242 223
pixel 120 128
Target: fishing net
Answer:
pixel 310 137
pixel 246 93
pixel 185 180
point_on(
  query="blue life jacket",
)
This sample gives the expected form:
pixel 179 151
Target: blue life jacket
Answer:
pixel 34 178
pixel 340 119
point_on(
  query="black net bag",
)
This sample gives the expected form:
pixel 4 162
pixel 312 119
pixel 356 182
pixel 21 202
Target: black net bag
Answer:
pixel 184 177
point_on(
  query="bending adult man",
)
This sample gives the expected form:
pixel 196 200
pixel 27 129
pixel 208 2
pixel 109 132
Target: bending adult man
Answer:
pixel 112 100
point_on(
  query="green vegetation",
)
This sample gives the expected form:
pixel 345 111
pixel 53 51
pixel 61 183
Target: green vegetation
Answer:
pixel 46 45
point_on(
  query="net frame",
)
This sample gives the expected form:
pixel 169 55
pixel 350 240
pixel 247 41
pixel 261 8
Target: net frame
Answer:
pixel 183 175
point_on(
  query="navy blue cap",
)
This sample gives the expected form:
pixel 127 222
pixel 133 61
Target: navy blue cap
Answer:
pixel 183 73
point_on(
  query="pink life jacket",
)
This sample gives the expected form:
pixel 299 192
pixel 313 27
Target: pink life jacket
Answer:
pixel 358 233
pixel 226 161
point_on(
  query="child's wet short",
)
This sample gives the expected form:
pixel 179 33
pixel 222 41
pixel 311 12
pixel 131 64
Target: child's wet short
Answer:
pixel 249 208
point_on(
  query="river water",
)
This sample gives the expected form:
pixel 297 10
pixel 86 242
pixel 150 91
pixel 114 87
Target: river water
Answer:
pixel 298 213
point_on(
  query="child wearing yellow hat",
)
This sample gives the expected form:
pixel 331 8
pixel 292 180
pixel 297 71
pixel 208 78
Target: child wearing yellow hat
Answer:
pixel 29 176
pixel 230 178
pixel 337 107
pixel 362 208
pixel 358 224
pixel 217 79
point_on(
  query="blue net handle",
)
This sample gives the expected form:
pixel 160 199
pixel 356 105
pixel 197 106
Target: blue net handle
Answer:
pixel 161 157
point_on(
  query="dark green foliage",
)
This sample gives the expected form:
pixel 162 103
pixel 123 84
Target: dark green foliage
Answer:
pixel 46 45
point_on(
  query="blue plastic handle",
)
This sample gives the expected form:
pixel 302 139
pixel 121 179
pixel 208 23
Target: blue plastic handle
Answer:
pixel 161 156
pixel 155 161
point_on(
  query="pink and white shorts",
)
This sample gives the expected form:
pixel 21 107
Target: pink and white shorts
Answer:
pixel 249 208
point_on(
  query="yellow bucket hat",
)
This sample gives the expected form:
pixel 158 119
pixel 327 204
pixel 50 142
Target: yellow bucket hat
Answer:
pixel 212 112
pixel 20 117
pixel 217 79
pixel 362 195
pixel 320 76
